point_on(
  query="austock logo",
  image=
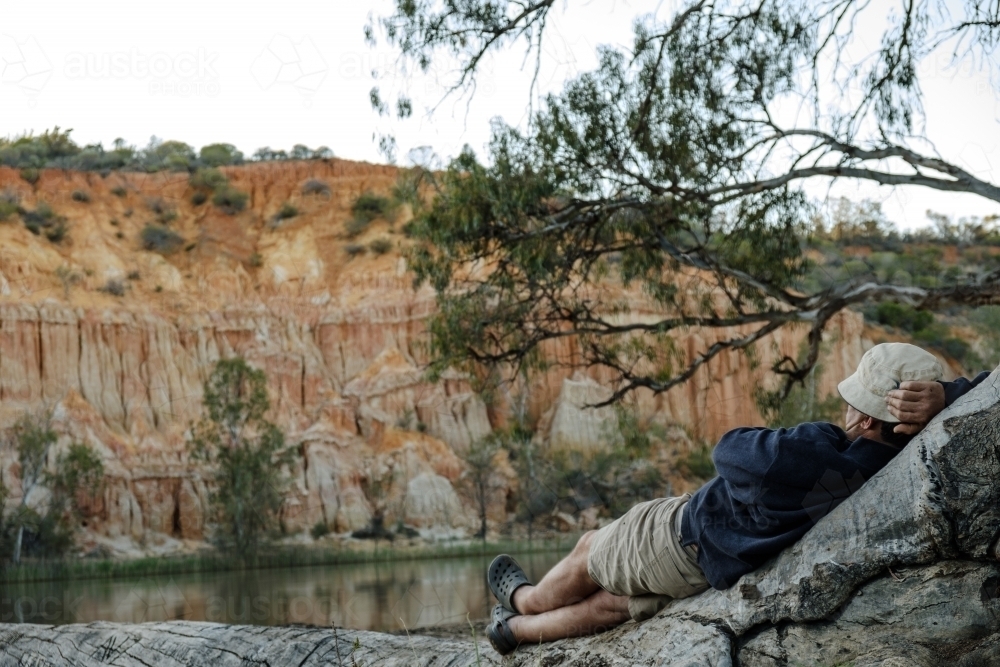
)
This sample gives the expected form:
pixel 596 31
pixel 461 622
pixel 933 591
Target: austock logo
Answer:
pixel 180 74
pixel 831 490
pixel 284 62
pixel 23 64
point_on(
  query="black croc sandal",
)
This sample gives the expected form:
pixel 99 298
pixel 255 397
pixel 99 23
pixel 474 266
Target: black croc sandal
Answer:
pixel 501 613
pixel 504 577
pixel 498 631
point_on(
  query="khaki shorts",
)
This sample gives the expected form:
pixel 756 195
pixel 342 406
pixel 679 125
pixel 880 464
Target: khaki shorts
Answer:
pixel 640 555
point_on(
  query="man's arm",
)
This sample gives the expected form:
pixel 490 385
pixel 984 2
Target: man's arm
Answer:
pixel 916 403
pixel 960 387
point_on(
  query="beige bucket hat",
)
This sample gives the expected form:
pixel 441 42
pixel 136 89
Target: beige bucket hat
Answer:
pixel 881 370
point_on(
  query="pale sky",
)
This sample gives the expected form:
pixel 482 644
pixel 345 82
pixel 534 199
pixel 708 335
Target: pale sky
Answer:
pixel 277 74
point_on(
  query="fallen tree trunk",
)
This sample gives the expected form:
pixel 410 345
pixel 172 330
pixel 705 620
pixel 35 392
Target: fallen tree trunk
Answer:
pixel 904 572
pixel 191 644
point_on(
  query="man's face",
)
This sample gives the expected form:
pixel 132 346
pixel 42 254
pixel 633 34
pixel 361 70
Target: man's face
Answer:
pixel 853 423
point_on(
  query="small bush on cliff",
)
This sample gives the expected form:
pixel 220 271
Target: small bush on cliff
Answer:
pixel 68 278
pixel 114 287
pixel 165 211
pixel 42 216
pixel 286 212
pixel 356 227
pixel 45 220
pixel 10 203
pixel 230 200
pixel 369 206
pixel 354 249
pixel 376 484
pixel 58 232
pixel 160 239
pixel 246 453
pixel 30 174
pixel 380 246
pixel 533 497
pixel 314 186
pixel 81 196
pixel 366 208
pixel 208 179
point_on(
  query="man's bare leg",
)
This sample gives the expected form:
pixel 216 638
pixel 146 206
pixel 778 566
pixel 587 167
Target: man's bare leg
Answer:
pixel 568 583
pixel 598 613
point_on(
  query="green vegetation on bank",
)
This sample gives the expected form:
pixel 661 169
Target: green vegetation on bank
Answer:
pixel 72 483
pixel 279 557
pixel 245 454
pixel 608 480
pixel 56 149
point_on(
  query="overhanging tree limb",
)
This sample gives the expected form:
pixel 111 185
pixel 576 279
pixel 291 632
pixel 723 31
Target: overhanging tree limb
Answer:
pixel 666 174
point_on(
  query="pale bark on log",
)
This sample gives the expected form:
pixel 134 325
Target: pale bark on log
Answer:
pixel 904 572
pixel 192 644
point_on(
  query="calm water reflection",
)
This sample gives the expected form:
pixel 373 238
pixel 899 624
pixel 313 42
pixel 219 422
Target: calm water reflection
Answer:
pixel 384 596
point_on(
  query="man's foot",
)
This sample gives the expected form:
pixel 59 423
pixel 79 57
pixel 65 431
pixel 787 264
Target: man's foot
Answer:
pixel 505 576
pixel 499 631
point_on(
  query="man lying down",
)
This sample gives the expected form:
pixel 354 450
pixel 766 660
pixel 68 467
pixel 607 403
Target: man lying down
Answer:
pixel 763 500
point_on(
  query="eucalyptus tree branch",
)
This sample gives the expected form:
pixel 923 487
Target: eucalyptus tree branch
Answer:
pixel 817 311
pixel 736 191
pixel 633 381
pixel 420 28
pixel 983 291
pixel 664 38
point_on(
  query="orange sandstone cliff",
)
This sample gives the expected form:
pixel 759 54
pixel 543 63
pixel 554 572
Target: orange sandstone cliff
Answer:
pixel 340 336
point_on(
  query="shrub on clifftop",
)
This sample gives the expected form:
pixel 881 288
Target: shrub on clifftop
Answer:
pixel 217 155
pixel 209 179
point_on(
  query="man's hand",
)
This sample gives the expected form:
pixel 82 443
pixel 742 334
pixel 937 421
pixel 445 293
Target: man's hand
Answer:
pixel 915 404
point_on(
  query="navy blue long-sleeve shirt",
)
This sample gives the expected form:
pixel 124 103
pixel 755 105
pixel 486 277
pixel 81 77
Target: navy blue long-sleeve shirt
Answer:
pixel 773 485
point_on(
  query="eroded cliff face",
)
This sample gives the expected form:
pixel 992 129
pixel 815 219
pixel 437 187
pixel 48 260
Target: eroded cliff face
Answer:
pixel 340 338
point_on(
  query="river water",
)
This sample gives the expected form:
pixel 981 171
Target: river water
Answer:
pixel 393 596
